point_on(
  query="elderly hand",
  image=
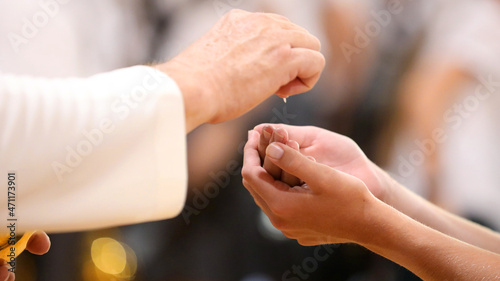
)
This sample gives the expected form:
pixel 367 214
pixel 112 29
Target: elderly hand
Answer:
pixel 244 59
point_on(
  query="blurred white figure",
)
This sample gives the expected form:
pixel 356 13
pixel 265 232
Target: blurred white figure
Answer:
pixel 72 38
pixel 467 34
pixel 463 37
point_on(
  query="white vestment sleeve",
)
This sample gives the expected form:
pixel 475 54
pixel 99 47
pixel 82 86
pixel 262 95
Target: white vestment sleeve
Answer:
pixel 88 153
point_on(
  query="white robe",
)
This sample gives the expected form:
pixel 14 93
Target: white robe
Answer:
pixel 88 153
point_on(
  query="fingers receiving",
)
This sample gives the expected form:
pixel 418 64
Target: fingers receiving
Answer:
pixel 295 163
pixel 272 169
pixel 39 243
pixel 251 155
pixel 260 127
pixel 286 177
pixel 303 135
pixel 255 177
pixel 265 137
pixel 281 136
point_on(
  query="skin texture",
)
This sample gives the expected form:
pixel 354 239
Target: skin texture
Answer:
pixel 333 150
pixel 244 59
pixel 38 244
pixel 348 199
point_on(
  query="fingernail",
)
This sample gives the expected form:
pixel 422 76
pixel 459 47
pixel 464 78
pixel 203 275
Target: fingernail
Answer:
pixel 278 135
pixel 281 133
pixel 274 151
pixel 267 131
pixel 250 133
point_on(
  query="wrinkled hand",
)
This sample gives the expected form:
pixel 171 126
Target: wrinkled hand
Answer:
pixel 38 244
pixel 244 59
pixel 325 147
pixel 330 209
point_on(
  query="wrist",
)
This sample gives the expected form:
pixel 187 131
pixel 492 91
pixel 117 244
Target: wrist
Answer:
pixel 198 107
pixel 371 223
pixel 383 225
pixel 388 186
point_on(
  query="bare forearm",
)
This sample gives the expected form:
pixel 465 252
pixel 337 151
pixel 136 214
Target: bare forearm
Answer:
pixel 428 253
pixel 441 220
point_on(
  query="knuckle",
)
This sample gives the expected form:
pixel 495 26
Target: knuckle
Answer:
pixel 284 51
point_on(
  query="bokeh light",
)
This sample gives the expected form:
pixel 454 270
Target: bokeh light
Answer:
pixel 112 260
pixel 109 255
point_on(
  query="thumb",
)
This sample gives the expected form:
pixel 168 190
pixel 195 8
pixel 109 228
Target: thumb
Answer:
pixel 299 165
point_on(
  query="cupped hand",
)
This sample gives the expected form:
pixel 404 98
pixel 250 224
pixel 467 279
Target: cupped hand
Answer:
pixel 268 136
pixel 334 150
pixel 244 59
pixel 329 208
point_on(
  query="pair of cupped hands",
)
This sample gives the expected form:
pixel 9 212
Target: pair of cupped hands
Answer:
pixel 314 185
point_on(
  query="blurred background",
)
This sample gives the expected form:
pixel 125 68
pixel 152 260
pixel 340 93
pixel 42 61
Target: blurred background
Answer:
pixel 412 82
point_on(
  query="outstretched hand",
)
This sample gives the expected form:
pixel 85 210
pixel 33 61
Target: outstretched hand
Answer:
pixel 325 147
pixel 244 59
pixel 328 208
